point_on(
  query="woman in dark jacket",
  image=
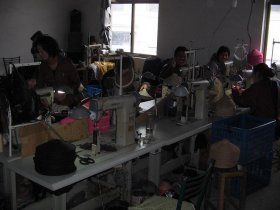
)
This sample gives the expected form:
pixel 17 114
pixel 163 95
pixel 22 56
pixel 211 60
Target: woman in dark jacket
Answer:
pixel 262 95
pixel 58 72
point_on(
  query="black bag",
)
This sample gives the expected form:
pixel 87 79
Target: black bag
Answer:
pixel 55 158
pixel 24 102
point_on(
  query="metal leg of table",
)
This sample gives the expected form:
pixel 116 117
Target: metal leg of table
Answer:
pixel 194 155
pixel 6 180
pixel 59 202
pixel 154 167
pixel 128 167
pixel 13 189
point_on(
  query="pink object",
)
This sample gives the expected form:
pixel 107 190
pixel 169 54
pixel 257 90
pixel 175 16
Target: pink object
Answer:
pixel 164 187
pixel 68 120
pixel 86 105
pixel 103 124
pixel 255 57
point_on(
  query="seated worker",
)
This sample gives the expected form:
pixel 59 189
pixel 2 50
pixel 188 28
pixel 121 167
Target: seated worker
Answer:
pixel 261 96
pixel 217 63
pixel 58 72
pixel 170 71
pixel 174 64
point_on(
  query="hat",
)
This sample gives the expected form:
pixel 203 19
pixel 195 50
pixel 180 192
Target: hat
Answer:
pixel 255 57
pixel 225 154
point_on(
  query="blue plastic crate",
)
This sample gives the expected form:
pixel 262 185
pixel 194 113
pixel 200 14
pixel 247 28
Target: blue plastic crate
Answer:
pixel 94 91
pixel 258 175
pixel 253 135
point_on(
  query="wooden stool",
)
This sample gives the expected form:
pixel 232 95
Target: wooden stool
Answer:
pixel 224 178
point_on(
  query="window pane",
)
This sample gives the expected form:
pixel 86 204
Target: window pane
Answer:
pixel 121 26
pixel 146 28
pixel 274 33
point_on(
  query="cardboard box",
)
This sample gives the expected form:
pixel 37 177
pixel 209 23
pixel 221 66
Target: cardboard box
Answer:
pixel 31 136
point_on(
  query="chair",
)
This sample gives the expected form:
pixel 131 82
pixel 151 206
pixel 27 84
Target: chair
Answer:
pixel 192 192
pixel 194 189
pixel 224 190
pixel 8 61
pixel 227 177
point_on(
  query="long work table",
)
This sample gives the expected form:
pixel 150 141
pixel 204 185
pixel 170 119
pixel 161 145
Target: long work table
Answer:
pixel 166 132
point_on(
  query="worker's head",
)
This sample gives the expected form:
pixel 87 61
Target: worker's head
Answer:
pixel 36 35
pixel 180 56
pixel 262 71
pixel 47 47
pixel 223 54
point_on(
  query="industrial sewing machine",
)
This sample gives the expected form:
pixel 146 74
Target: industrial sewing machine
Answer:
pixel 125 115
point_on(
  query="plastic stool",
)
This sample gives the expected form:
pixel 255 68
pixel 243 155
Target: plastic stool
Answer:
pixel 224 177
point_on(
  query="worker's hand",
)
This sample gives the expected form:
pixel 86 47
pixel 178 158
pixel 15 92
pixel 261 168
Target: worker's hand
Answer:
pixel 81 88
pixel 145 85
pixel 236 90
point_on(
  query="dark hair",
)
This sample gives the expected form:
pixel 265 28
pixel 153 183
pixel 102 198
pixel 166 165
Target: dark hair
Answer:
pixel 36 35
pixel 48 44
pixel 179 49
pixel 223 49
pixel 262 70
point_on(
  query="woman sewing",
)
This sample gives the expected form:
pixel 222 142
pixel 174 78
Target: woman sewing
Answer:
pixel 170 73
pixel 58 72
pixel 217 63
pixel 262 96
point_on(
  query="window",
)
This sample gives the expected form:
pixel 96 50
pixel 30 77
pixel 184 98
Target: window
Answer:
pixel 273 38
pixel 135 27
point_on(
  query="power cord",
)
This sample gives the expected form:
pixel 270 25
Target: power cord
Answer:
pixel 219 24
pixel 248 24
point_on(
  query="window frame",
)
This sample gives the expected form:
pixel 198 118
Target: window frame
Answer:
pixel 266 25
pixel 133 2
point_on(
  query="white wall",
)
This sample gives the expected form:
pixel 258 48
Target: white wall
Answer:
pixel 180 21
pixel 198 20
pixel 20 19
pixel 91 23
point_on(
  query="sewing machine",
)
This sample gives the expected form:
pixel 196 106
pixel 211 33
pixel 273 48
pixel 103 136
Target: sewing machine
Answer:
pixel 125 115
pixel 199 99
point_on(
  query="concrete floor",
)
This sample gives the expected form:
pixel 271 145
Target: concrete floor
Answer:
pixel 267 198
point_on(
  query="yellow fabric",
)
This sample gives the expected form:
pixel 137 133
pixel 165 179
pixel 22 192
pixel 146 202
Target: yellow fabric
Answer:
pixel 103 67
pixel 144 93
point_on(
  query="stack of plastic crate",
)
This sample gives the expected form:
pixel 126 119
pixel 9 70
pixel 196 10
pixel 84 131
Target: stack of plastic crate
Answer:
pixel 254 137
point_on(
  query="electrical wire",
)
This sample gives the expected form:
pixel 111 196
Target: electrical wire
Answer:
pixel 222 20
pixel 248 24
pixel 219 24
